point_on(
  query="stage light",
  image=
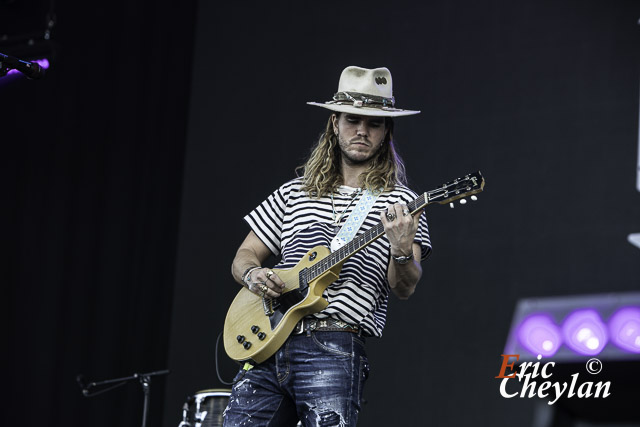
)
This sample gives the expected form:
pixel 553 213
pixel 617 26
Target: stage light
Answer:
pixel 539 335
pixel 607 325
pixel 624 329
pixel 584 332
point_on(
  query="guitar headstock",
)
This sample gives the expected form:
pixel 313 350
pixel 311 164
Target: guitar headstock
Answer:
pixel 468 185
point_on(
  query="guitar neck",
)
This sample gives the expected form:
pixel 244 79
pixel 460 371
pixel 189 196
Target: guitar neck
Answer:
pixel 472 183
pixel 359 242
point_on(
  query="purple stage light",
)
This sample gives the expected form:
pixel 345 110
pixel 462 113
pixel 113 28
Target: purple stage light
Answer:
pixel 617 338
pixel 584 332
pixel 44 63
pixel 539 335
pixel 624 328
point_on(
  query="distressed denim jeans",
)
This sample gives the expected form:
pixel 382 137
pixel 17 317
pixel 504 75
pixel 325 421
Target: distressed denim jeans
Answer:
pixel 316 377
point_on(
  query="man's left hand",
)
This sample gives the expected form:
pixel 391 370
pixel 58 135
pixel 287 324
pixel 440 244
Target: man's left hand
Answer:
pixel 400 227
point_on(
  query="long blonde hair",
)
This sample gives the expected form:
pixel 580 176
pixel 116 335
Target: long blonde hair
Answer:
pixel 322 171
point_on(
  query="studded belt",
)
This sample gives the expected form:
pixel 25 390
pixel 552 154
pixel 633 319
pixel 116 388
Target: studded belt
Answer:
pixel 329 324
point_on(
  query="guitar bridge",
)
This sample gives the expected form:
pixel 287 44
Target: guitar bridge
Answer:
pixel 267 305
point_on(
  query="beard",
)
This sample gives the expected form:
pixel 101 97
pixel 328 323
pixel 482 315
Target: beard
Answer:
pixel 355 158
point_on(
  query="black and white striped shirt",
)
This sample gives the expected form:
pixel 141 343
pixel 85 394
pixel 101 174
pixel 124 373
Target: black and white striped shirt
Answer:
pixel 290 223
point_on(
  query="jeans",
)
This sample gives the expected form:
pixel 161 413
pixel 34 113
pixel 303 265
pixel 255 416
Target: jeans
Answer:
pixel 316 377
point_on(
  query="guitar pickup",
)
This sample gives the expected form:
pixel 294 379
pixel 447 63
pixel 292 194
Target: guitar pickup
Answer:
pixel 302 279
pixel 267 305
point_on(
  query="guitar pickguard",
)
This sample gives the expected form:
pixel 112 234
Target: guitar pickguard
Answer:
pixel 281 305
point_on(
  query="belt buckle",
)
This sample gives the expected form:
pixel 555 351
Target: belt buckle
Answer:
pixel 299 328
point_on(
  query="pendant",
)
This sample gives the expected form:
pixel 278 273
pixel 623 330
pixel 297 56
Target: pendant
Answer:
pixel 337 219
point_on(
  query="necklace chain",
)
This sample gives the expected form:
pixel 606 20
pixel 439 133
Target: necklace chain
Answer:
pixel 338 217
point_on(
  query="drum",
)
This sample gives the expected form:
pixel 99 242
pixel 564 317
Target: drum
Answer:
pixel 205 408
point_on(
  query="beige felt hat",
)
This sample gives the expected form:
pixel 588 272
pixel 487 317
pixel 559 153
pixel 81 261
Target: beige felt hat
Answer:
pixel 365 92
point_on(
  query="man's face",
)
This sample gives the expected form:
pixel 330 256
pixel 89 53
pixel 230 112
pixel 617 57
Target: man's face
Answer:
pixel 360 137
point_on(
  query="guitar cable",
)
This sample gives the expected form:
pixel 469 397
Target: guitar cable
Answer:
pixel 218 364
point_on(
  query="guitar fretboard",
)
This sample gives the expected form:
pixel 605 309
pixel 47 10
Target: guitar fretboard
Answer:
pixel 358 242
pixel 470 184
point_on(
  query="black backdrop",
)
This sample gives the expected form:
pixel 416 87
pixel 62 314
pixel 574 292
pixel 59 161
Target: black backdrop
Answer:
pixel 124 219
pixel 93 157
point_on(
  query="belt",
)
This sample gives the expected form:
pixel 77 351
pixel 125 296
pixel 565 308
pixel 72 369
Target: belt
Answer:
pixel 329 324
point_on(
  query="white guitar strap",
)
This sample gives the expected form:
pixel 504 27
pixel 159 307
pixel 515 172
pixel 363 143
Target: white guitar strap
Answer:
pixel 355 220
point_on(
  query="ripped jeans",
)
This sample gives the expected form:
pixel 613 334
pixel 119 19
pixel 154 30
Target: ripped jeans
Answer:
pixel 316 377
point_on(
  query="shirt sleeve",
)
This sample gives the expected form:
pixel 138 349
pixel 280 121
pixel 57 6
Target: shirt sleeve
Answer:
pixel 422 237
pixel 267 218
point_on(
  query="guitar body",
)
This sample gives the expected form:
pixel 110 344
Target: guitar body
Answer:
pixel 248 317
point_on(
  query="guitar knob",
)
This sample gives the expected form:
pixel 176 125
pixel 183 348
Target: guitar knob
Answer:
pixel 262 336
pixel 463 201
pixel 240 338
pixel 255 329
pixel 247 345
pixel 474 198
pixel 451 205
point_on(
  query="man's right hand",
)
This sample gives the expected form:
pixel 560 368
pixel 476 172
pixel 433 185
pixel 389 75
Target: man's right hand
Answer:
pixel 264 282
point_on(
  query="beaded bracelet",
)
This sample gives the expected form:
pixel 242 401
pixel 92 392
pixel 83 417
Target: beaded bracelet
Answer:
pixel 247 274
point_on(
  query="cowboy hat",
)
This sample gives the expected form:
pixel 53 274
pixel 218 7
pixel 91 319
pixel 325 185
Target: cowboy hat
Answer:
pixel 365 92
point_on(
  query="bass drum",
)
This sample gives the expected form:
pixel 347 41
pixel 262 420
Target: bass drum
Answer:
pixel 205 408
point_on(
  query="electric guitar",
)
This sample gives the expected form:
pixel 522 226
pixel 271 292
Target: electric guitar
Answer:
pixel 255 328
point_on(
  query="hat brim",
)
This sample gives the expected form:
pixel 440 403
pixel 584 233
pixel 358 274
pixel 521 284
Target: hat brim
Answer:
pixel 365 111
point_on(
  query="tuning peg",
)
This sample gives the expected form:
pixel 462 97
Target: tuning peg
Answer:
pixel 463 201
pixel 474 198
pixel 451 205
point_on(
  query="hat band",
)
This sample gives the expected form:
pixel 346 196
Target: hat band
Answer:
pixel 362 100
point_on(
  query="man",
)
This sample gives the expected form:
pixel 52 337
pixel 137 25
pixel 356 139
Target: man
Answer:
pixel 318 375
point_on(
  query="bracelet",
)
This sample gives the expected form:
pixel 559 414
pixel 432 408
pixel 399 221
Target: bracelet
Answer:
pixel 247 274
pixel 402 259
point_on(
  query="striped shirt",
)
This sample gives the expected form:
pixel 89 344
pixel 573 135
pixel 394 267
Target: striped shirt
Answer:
pixel 290 223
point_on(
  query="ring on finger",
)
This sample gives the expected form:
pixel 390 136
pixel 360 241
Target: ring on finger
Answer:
pixel 269 274
pixel 391 216
pixel 405 212
pixel 264 288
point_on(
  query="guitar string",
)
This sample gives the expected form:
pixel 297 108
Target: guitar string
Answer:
pixel 374 232
pixel 367 236
pixel 361 240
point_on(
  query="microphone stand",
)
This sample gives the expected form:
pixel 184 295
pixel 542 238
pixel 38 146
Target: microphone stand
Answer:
pixel 145 382
pixel 30 69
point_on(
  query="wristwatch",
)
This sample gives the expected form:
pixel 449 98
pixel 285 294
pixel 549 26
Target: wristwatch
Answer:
pixel 402 259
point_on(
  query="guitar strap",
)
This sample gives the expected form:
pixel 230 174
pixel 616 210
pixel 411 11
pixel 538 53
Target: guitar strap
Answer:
pixel 355 220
